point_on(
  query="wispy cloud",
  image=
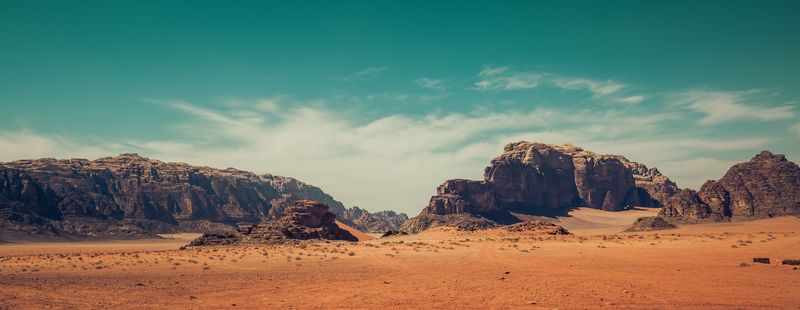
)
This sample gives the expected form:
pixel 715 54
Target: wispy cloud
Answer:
pixel 391 162
pixel 503 78
pixel 499 78
pixel 430 83
pixel 720 106
pixel 636 99
pixel 368 73
pixel 597 88
pixel 28 144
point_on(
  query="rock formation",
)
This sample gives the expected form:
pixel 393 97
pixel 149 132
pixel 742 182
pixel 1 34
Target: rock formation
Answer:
pixel 129 196
pixel 538 226
pixel 377 222
pixel 768 185
pixel 303 220
pixel 542 179
pixel 650 223
pixel 291 189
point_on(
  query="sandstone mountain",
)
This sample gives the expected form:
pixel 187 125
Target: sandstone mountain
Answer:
pixel 535 179
pixel 130 196
pixel 381 221
pixel 302 220
pixel 768 185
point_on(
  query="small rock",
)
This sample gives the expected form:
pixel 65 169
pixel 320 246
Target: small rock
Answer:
pixel 794 262
pixel 761 260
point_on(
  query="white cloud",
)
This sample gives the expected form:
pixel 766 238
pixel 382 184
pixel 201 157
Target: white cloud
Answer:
pixel 495 78
pixel 597 88
pixel 430 83
pixel 720 107
pixel 393 162
pixel 26 144
pixel 632 99
pixel 502 78
pixel 368 73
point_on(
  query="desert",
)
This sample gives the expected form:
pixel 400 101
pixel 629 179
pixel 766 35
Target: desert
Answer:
pixel 597 267
pixel 399 154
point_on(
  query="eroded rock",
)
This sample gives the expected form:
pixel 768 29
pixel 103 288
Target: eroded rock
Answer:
pixel 530 179
pixel 651 223
pixel 768 185
pixel 303 220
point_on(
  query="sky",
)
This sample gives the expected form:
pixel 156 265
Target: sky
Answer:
pixel 379 102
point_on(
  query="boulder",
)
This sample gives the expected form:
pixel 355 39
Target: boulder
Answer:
pixel 303 220
pixel 649 223
pixel 538 226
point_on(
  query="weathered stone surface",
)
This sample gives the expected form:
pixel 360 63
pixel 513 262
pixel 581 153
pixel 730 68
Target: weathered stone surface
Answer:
pixel 462 221
pixel 687 205
pixel 768 185
pixel 129 196
pixel 303 220
pixel 373 222
pixel 291 190
pixel 538 226
pixel 651 223
pixel 542 179
pixel 390 233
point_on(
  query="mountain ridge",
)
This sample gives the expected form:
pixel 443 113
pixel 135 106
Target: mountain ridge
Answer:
pixel 130 196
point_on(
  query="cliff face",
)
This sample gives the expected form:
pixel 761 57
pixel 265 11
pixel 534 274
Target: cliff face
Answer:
pixel 382 221
pixel 78 197
pixel 542 179
pixel 767 185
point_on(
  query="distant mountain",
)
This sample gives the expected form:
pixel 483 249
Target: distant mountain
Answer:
pixel 768 185
pixel 535 179
pixel 129 196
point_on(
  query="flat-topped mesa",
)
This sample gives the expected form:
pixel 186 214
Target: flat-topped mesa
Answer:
pixel 768 185
pixel 303 220
pixel 130 196
pixel 531 178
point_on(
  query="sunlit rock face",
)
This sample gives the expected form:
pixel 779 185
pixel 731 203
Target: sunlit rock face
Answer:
pixel 130 196
pixel 768 185
pixel 542 179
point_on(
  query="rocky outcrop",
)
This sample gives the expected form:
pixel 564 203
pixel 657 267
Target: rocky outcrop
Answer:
pixel 538 226
pixel 650 223
pixel 129 196
pixel 462 221
pixel 768 185
pixel 377 222
pixel 392 233
pixel 303 220
pixel 542 179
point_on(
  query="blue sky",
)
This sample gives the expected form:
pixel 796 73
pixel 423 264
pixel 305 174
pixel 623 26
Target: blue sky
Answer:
pixel 378 102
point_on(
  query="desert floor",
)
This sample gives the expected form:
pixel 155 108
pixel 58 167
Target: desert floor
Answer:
pixel 697 266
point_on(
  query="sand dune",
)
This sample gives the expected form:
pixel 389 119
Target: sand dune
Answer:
pixel 586 220
pixel 360 235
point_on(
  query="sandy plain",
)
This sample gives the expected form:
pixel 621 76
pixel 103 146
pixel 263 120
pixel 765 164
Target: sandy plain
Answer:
pixel 706 266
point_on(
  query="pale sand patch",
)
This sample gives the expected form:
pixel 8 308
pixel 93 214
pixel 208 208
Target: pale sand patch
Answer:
pixel 587 220
pixel 360 235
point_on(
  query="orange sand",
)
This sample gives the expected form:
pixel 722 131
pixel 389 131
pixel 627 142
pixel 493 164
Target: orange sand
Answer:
pixel 690 267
